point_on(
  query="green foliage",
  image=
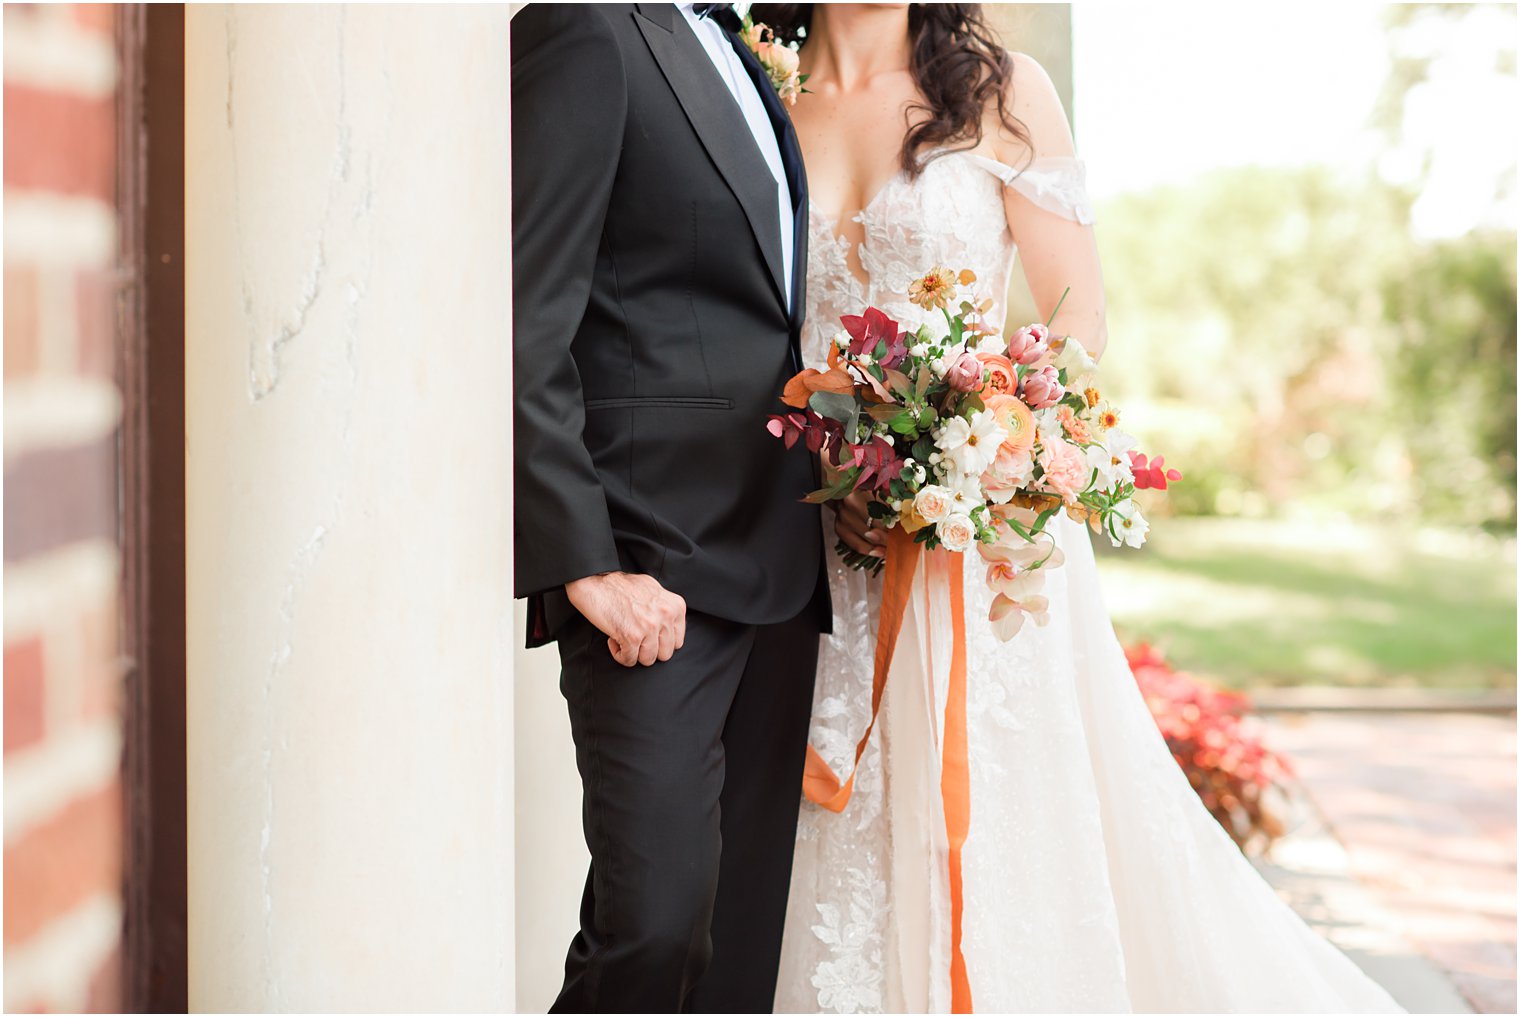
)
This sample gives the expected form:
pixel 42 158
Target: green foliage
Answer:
pixel 1262 602
pixel 1454 376
pixel 1286 342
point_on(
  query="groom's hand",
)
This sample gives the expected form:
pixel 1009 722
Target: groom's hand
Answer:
pixel 643 621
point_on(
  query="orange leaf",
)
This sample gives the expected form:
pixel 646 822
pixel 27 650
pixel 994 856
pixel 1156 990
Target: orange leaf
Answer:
pixel 811 380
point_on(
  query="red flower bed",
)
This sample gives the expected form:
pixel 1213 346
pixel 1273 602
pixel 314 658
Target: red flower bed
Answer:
pixel 1222 755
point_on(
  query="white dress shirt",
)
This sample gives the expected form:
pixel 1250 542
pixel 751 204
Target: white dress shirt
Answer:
pixel 731 69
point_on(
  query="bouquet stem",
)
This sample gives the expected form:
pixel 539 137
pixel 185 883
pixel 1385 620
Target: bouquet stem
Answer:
pixel 856 560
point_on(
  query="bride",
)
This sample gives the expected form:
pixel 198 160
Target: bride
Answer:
pixel 1092 878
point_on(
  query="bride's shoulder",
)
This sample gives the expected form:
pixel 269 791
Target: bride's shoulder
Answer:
pixel 1031 98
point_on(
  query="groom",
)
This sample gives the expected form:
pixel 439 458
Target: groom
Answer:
pixel 659 247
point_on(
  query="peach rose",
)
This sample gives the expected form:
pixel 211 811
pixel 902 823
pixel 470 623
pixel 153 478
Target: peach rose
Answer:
pixel 932 503
pixel 780 61
pixel 957 532
pixel 1004 378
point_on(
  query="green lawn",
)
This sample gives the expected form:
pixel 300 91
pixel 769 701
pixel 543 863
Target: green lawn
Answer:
pixel 1255 603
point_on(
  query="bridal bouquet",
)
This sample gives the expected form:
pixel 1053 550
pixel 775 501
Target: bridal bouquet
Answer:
pixel 966 439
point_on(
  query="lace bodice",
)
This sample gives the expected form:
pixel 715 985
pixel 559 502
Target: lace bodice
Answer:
pixel 951 215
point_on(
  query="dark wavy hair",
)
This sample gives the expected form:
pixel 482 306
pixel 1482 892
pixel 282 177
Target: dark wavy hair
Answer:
pixel 960 67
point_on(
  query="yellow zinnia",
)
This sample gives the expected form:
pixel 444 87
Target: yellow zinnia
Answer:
pixel 933 290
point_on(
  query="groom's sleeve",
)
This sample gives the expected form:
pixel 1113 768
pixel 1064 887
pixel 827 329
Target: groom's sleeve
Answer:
pixel 569 101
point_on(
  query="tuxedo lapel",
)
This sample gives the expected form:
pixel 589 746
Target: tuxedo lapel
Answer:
pixel 791 160
pixel 719 125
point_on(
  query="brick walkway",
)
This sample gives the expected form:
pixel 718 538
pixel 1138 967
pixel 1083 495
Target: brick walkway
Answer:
pixel 1424 804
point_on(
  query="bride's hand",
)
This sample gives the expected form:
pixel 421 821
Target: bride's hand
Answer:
pixel 852 522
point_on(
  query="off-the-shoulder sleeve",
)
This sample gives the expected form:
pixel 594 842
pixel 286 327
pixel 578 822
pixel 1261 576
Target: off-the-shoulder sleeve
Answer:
pixel 1055 183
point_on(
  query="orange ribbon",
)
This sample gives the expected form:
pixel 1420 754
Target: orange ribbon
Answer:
pixel 821 784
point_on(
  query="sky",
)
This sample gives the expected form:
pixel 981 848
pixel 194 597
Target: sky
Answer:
pixel 1166 90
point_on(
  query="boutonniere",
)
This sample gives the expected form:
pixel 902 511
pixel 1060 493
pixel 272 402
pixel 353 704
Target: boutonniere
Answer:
pixel 779 61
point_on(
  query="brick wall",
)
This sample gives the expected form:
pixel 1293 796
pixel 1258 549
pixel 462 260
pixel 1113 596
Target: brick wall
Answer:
pixel 63 795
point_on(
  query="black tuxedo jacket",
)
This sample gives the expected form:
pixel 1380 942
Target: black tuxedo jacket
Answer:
pixel 652 335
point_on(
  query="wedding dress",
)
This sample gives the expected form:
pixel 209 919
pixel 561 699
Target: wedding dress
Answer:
pixel 1093 878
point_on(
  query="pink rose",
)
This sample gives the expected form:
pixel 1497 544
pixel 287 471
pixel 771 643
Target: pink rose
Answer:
pixel 1042 388
pixel 965 374
pixel 1029 344
pixel 1066 469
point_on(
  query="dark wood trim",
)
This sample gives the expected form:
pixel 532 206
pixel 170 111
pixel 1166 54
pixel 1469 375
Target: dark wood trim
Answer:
pixel 151 366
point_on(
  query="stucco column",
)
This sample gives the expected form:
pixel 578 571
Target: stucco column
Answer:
pixel 348 520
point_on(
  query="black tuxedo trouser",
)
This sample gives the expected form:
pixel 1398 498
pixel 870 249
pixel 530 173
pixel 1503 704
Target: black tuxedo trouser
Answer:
pixel 692 773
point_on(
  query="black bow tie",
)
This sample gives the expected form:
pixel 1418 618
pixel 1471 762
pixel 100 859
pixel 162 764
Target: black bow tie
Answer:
pixel 721 15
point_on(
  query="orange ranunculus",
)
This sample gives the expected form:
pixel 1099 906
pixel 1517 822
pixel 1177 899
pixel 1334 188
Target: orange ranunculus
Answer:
pixel 1004 379
pixel 1015 419
pixel 803 385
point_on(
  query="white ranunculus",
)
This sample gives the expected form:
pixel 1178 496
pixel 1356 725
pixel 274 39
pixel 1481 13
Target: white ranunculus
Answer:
pixel 1128 525
pixel 933 503
pixel 1074 359
pixel 992 343
pixel 956 532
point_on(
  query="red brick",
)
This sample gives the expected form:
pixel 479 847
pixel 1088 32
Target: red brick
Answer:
pixel 62 862
pixel 21 333
pixel 99 630
pixel 58 142
pixel 25 694
pixel 99 19
pixel 59 495
pixel 95 308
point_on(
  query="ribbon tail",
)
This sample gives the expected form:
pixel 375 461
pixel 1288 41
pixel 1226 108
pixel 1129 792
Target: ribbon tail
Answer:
pixel 955 787
pixel 820 784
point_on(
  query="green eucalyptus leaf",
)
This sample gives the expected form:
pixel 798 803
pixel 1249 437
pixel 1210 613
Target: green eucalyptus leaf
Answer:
pixel 834 405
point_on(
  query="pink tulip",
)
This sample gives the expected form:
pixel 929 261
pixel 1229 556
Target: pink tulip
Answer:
pixel 965 375
pixel 1029 344
pixel 1042 388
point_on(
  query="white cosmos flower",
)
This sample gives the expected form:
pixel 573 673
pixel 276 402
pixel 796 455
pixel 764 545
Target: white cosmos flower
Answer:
pixel 1112 466
pixel 965 491
pixel 1111 459
pixel 1128 525
pixel 972 445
